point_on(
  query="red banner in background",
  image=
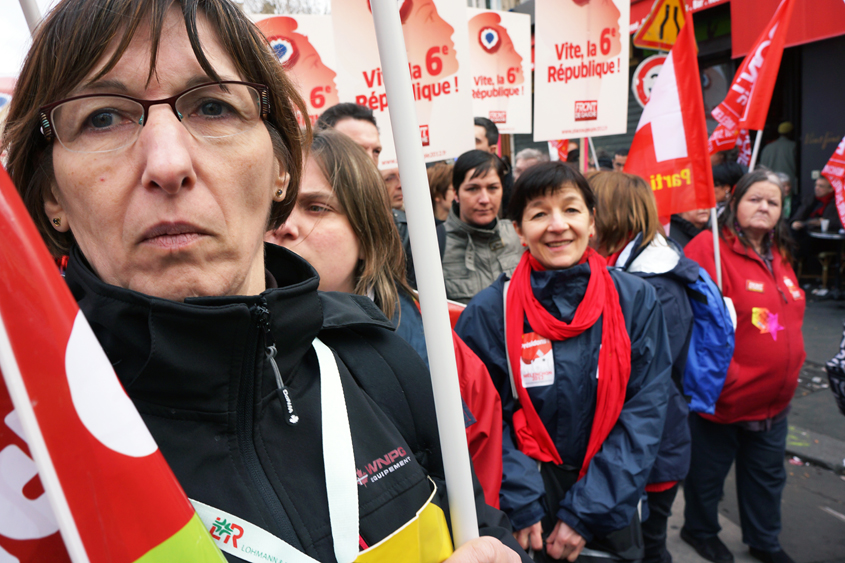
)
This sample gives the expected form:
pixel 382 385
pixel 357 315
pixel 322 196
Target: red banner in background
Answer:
pixel 834 171
pixel 747 102
pixel 813 20
pixel 669 149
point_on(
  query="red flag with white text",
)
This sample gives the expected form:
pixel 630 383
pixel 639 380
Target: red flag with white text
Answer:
pixel 834 171
pixel 669 149
pixel 77 457
pixel 747 102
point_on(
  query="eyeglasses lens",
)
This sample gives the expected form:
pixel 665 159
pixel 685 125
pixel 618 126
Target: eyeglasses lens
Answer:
pixel 107 123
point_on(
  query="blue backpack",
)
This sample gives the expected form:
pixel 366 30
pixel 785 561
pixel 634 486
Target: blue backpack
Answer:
pixel 711 345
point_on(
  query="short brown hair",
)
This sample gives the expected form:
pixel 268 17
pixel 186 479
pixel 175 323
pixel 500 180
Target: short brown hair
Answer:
pixel 439 180
pixel 625 207
pixel 358 186
pixel 74 37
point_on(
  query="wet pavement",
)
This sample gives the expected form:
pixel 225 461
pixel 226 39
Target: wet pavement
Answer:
pixel 813 509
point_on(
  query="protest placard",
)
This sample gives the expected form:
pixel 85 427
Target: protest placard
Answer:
pixel 500 62
pixel 305 46
pixel 581 68
pixel 438 54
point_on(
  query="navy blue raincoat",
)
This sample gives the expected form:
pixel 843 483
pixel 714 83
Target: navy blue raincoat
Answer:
pixel 662 263
pixel 606 498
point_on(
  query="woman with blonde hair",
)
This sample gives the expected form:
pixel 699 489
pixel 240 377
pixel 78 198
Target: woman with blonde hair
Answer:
pixel 341 223
pixel 630 235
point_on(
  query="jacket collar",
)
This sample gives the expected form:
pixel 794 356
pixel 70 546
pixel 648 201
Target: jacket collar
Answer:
pixel 561 291
pixel 192 355
pixel 455 223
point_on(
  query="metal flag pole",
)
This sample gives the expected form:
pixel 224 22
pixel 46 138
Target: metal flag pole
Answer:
pixel 438 329
pixel 31 13
pixel 756 151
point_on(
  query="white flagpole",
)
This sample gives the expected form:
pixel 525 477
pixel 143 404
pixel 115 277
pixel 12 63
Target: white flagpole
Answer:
pixel 593 151
pixel 756 151
pixel 714 220
pixel 438 329
pixel 31 13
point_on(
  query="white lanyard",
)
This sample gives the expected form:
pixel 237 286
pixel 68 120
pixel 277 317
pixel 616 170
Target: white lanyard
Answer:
pixel 249 542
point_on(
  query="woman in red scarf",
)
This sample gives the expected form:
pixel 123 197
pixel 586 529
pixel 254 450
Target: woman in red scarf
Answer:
pixel 590 363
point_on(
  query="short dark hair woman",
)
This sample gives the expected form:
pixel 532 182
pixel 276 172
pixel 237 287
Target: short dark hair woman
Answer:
pixel 479 246
pixel 584 401
pixel 749 425
pixel 156 142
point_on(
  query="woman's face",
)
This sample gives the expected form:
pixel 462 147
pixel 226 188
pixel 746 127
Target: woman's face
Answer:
pixel 759 209
pixel 171 215
pixel 556 228
pixel 479 198
pixel 319 231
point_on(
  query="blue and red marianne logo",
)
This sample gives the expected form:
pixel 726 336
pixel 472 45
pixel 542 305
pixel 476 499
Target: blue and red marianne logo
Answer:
pixel 382 466
pixel 224 530
pixel 489 39
pixel 285 50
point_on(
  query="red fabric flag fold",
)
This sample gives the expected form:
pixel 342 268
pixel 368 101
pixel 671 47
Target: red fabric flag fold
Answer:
pixel 670 148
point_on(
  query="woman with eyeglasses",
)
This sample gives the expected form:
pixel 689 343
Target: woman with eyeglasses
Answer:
pixel 155 142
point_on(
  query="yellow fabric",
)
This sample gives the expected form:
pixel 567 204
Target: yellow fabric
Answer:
pixel 424 539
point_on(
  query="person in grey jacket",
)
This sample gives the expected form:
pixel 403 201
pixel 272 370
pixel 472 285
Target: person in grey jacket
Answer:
pixel 479 247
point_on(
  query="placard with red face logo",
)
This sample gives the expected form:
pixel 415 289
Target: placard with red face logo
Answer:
pixel 436 41
pixel 581 68
pixel 305 47
pixel 500 62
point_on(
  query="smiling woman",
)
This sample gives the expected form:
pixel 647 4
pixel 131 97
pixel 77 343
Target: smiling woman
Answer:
pixel 584 443
pixel 155 141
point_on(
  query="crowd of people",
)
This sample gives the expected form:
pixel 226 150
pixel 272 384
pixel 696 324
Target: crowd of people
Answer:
pixel 233 265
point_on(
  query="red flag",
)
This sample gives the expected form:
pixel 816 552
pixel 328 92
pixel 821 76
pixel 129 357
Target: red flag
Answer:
pixel 834 171
pixel 111 494
pixel 722 139
pixel 670 147
pixel 747 102
pixel 743 142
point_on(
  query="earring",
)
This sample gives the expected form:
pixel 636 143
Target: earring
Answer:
pixel 57 221
pixel 279 193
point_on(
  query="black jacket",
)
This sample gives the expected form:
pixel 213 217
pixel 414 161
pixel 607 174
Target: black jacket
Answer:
pixel 682 231
pixel 197 373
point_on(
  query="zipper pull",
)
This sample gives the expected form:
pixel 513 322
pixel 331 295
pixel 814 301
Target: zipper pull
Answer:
pixel 270 352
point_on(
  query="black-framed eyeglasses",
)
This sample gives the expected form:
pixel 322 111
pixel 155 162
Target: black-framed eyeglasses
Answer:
pixel 95 123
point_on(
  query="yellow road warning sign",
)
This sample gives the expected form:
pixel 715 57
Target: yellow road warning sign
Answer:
pixel 661 27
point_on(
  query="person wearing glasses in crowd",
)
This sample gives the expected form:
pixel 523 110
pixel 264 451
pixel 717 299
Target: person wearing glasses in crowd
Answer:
pixel 156 146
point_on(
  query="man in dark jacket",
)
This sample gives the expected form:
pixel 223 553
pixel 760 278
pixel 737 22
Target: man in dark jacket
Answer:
pixel 822 206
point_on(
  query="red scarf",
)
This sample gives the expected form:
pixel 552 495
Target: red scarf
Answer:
pixel 614 370
pixel 824 201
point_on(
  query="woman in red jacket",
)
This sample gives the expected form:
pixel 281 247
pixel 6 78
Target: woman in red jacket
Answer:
pixel 749 424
